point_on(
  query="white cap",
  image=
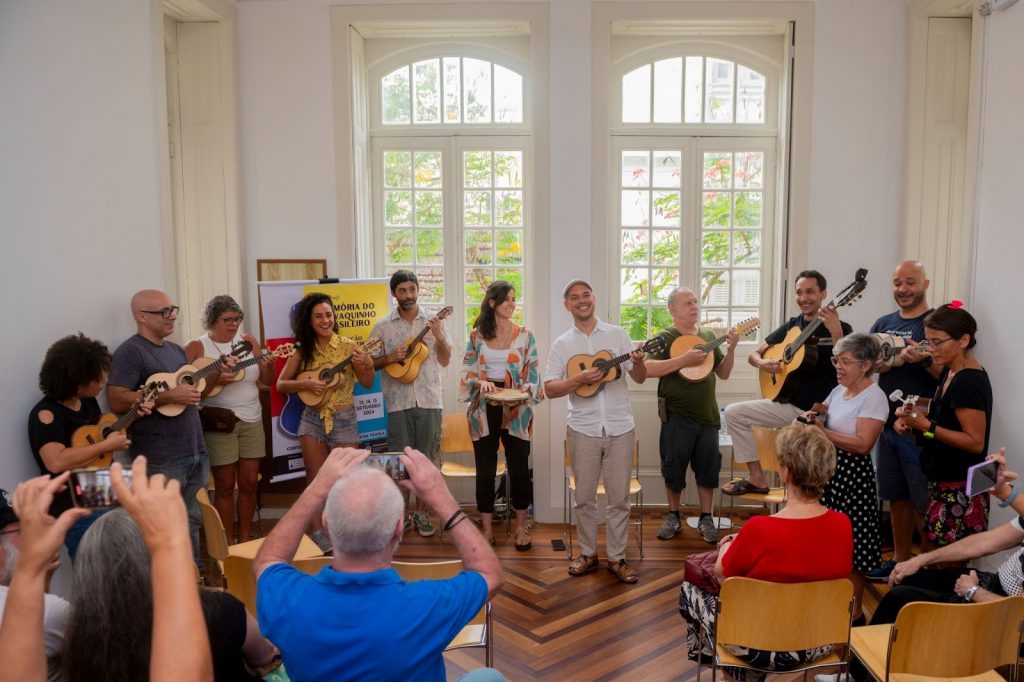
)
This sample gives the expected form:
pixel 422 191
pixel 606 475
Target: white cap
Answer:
pixel 574 282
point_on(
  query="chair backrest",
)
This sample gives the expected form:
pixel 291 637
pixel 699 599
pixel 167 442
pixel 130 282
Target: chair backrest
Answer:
pixel 241 582
pixel 213 527
pixel 455 433
pixel 764 441
pixel 436 570
pixel 312 566
pixel 784 616
pixel 956 640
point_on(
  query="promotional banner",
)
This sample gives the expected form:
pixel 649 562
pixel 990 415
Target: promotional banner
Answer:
pixel 358 304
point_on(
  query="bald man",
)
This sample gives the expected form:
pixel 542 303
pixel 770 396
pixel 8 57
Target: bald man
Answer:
pixel 900 479
pixel 173 446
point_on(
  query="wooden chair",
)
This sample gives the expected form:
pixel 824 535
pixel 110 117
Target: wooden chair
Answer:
pixel 455 439
pixel 217 541
pixel 782 617
pixel 767 454
pixel 478 632
pixel 242 583
pixel 636 490
pixel 944 641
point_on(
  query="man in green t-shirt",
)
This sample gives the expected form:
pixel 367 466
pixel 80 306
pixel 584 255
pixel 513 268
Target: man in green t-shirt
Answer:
pixel 689 413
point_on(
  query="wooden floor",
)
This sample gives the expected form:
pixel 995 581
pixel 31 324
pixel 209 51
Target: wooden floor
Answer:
pixel 550 626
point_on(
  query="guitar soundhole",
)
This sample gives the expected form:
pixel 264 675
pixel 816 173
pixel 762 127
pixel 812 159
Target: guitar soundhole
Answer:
pixel 91 440
pixel 188 379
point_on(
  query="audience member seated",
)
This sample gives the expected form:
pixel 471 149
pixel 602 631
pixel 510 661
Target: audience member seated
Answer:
pixel 803 542
pixel 356 619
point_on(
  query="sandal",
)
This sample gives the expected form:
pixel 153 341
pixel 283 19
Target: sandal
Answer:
pixel 582 565
pixel 744 487
pixel 523 542
pixel 489 537
pixel 623 571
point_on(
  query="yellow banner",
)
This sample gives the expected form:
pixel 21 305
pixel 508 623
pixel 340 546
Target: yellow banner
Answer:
pixel 357 305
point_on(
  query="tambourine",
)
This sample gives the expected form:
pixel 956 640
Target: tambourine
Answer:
pixel 507 397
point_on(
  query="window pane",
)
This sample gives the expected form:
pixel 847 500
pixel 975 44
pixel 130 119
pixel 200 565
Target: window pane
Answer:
pixel 660 319
pixel 429 247
pixel 452 90
pixel 398 208
pixel 746 287
pixel 717 170
pixel 746 248
pixel 508 96
pixel 431 285
pixel 477 208
pixel 750 96
pixel 398 169
pixel 476 280
pixel 715 209
pixel 636 95
pixel 427 107
pixel 663 280
pixel 715 248
pixel 634 320
pixel 748 209
pixel 665 249
pixel 740 315
pixel 714 288
pixel 715 318
pixel 398 247
pixel 477 169
pixel 634 247
pixel 508 169
pixel 668 90
pixel 510 247
pixel 749 169
pixel 666 169
pixel 666 209
pixel 514 276
pixel 428 169
pixel 635 171
pixel 718 100
pixel 508 208
pixel 479 249
pixel 694 92
pixel 476 84
pixel 636 285
pixel 429 208
pixel 394 97
pixel 636 208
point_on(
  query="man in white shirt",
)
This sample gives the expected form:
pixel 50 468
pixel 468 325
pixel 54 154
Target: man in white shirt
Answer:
pixel 55 614
pixel 600 430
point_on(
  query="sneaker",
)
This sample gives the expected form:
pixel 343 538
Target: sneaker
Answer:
pixel 881 572
pixel 706 527
pixel 582 565
pixel 423 525
pixel 322 541
pixel 670 527
pixel 407 524
pixel 623 571
pixel 523 541
pixel 841 677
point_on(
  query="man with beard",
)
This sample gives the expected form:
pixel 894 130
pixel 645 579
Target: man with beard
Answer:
pixel 414 409
pixel 900 479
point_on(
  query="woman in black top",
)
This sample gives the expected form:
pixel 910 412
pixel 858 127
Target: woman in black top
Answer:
pixel 954 433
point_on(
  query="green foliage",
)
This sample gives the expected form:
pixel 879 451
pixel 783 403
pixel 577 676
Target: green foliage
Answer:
pixel 395 96
pixel 476 169
pixel 429 209
pixel 634 320
pixel 397 169
pixel 427 91
pixel 398 208
pixel 398 247
pixel 429 247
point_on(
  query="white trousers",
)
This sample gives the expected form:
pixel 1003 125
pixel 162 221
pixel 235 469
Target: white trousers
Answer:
pixel 742 417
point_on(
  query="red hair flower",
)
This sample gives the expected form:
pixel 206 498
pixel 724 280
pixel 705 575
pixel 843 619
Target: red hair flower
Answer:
pixel 955 304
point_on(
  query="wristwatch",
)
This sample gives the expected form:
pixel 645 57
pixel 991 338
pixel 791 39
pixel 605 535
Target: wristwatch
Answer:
pixel 969 594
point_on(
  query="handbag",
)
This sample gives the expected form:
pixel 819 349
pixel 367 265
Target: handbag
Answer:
pixel 217 419
pixel 699 571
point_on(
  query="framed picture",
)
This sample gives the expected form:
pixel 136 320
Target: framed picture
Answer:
pixel 284 269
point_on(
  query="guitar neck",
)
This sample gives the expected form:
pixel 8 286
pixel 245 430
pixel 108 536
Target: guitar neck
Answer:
pixel 126 419
pixel 711 345
pixel 208 370
pixel 799 341
pixel 252 361
pixel 330 373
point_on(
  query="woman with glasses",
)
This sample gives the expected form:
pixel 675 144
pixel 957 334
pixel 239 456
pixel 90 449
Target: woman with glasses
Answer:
pixel 856 412
pixel 235 451
pixel 954 431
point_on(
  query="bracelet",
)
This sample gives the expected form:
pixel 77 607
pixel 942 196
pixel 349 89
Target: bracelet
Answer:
pixel 930 433
pixel 1014 491
pixel 453 519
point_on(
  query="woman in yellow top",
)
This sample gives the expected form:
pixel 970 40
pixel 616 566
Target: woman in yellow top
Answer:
pixel 334 423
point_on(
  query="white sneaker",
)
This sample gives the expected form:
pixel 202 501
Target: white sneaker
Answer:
pixel 841 677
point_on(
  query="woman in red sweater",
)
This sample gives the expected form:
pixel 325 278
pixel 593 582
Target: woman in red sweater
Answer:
pixel 803 542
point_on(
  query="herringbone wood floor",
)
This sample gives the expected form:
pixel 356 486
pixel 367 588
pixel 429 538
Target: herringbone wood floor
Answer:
pixel 550 626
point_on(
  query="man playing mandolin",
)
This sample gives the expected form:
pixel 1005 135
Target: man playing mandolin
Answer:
pixel 814 386
pixel 689 411
pixel 414 408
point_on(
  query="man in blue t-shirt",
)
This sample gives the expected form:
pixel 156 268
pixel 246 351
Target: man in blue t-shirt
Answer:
pixel 900 479
pixel 357 619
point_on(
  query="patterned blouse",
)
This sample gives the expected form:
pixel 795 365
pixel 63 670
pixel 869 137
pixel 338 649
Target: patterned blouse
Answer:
pixel 521 372
pixel 339 348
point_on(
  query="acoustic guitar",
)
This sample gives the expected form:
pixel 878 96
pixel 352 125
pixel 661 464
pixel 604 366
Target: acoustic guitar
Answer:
pixel 109 423
pixel 191 375
pixel 332 376
pixel 284 351
pixel 608 365
pixel 687 341
pixel 407 369
pixel 892 349
pixel 797 357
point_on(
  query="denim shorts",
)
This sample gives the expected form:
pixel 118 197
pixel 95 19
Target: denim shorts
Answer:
pixel 343 433
pixel 899 470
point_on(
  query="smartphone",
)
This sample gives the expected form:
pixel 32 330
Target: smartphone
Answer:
pixel 390 463
pixel 91 489
pixel 982 477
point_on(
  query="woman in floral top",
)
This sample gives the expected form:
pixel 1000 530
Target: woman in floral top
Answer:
pixel 501 354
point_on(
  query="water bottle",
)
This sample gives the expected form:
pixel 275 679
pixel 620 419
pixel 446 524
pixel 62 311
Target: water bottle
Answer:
pixel 723 430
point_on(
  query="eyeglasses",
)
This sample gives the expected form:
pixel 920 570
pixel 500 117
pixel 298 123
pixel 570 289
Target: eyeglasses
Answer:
pixel 845 362
pixel 935 343
pixel 10 530
pixel 232 320
pixel 165 313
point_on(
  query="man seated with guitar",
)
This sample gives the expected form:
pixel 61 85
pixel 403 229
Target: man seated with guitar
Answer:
pixel 811 383
pixel 689 411
pixel 416 347
pixel 74 372
pixel 173 445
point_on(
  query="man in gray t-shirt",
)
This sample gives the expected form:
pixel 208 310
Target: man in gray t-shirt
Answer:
pixel 173 446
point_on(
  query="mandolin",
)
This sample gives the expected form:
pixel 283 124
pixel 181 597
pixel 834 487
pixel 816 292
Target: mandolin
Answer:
pixel 797 357
pixel 892 349
pixel 407 369
pixel 284 351
pixel 687 341
pixel 332 376
pixel 193 376
pixel 604 361
pixel 91 434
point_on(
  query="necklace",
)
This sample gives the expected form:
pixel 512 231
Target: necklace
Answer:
pixel 217 345
pixel 505 340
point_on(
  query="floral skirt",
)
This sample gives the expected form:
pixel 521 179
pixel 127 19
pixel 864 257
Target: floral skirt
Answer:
pixel 952 515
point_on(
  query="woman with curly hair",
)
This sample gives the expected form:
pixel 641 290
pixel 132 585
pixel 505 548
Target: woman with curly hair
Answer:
pixel 334 423
pixel 954 432
pixel 74 372
pixel 234 455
